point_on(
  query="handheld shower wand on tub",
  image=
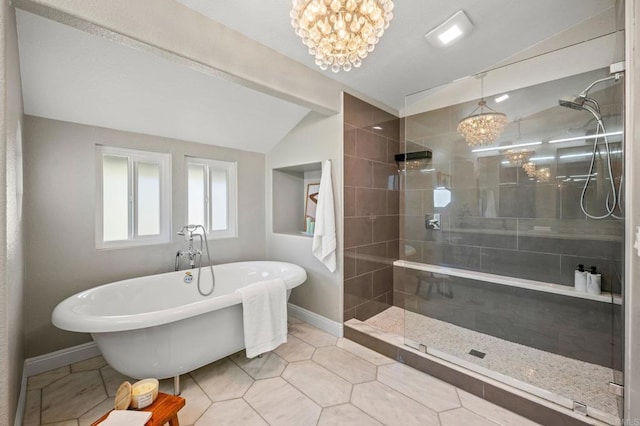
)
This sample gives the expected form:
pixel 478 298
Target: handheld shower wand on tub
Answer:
pixel 188 232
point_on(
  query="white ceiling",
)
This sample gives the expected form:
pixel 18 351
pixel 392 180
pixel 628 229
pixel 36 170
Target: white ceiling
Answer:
pixel 70 75
pixel 403 62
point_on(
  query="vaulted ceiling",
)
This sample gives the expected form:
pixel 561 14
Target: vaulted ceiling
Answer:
pixel 75 76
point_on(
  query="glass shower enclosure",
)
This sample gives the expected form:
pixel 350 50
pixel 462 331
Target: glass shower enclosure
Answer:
pixel 493 236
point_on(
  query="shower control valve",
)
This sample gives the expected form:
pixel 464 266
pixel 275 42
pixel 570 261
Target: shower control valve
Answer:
pixel 432 223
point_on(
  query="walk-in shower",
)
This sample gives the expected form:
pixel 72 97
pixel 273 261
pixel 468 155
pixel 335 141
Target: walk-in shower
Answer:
pixel 491 288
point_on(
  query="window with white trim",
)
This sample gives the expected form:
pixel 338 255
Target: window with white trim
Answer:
pixel 212 196
pixel 133 197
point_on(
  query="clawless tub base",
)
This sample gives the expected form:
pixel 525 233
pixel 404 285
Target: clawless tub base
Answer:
pixel 160 326
pixel 174 348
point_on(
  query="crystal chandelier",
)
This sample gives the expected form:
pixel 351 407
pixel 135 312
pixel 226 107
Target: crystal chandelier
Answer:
pixel 530 169
pixel 340 33
pixel 482 128
pixel 518 157
pixel 543 175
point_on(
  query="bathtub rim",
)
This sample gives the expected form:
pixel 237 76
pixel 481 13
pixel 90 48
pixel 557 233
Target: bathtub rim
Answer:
pixel 65 318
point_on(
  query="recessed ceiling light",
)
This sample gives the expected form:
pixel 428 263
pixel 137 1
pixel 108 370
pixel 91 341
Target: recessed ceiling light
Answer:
pixel 451 30
pixel 449 35
pixel 377 128
pixel 503 147
pixel 501 98
pixel 551 157
pixel 586 137
pixel 581 154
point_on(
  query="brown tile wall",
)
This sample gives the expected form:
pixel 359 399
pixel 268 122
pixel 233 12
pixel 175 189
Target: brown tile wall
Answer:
pixel 371 208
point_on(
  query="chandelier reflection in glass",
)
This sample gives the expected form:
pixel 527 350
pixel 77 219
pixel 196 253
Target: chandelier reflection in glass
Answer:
pixel 543 175
pixel 530 169
pixel 518 157
pixel 482 128
pixel 340 33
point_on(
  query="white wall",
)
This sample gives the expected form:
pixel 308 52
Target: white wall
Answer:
pixel 11 223
pixel 61 257
pixel 317 138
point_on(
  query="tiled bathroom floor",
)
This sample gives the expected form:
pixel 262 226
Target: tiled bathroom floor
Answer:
pixel 574 379
pixel 313 379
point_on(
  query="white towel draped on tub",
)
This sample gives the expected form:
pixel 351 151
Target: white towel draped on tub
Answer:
pixel 324 237
pixel 264 313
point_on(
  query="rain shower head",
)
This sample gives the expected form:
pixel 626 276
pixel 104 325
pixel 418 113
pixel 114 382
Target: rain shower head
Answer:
pixel 573 102
pixel 577 101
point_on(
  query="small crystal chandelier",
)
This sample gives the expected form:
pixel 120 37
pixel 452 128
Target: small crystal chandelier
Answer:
pixel 530 169
pixel 482 128
pixel 340 33
pixel 543 175
pixel 518 157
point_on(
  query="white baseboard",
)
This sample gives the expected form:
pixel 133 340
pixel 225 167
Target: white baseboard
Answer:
pixel 323 323
pixel 50 361
pixel 22 399
pixel 57 359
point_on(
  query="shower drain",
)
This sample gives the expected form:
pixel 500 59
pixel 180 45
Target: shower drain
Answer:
pixel 477 353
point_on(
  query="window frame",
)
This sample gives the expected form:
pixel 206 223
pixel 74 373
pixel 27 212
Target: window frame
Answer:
pixel 231 170
pixel 134 157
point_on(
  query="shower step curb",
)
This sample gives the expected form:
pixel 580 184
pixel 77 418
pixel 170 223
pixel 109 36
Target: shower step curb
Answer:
pixel 529 406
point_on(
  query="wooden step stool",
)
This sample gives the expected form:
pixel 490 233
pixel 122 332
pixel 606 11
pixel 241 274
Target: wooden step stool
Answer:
pixel 164 409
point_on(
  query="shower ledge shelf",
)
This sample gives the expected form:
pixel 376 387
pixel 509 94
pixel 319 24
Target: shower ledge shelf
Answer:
pixel 509 281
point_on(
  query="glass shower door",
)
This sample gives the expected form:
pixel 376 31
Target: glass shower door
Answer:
pixel 493 236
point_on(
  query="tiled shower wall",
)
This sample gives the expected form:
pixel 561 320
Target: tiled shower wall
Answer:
pixel 502 221
pixel 371 208
pixel 568 326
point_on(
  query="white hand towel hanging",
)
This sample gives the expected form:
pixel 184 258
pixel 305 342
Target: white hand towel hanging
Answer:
pixel 324 236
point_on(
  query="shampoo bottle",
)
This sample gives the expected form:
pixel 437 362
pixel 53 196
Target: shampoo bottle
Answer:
pixel 580 279
pixel 594 281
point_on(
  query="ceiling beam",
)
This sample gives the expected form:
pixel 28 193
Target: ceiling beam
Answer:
pixel 169 29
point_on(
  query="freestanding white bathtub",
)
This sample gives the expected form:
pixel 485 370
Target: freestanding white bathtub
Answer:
pixel 159 326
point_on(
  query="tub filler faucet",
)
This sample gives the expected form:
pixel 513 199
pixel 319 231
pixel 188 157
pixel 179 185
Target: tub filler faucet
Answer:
pixel 190 253
pixel 188 232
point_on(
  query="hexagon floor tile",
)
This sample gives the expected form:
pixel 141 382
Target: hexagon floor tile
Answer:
pixel 72 396
pixel 318 383
pixel 391 407
pixel 222 380
pixel 268 365
pixel 427 390
pixel 294 350
pixel 280 403
pixel 313 379
pixel 345 364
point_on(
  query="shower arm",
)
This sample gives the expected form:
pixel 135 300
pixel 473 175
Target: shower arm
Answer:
pixel 615 77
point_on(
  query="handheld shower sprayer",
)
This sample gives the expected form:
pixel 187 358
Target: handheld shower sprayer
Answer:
pixel 572 101
pixel 583 102
pixel 188 232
